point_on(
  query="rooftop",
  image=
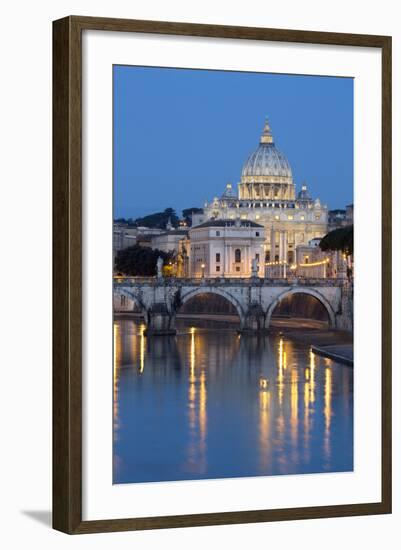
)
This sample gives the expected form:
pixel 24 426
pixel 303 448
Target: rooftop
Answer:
pixel 173 232
pixel 228 223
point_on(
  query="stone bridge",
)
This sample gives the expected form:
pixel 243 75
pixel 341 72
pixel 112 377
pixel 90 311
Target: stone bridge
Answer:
pixel 254 299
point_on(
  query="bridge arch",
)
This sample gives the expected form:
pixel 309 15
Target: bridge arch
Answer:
pixel 308 291
pixel 186 296
pixel 131 296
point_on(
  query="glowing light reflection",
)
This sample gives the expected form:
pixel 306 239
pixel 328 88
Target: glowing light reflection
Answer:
pixel 327 410
pixel 142 348
pixel 197 415
pixel 264 427
pixel 280 378
pixel 294 406
pixel 312 376
pixel 117 352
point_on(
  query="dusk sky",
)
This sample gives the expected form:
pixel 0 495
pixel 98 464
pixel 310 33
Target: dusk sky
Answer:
pixel 180 135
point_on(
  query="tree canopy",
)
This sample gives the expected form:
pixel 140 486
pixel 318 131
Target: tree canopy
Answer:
pixel 158 219
pixel 139 261
pixel 187 214
pixel 339 239
pixel 126 221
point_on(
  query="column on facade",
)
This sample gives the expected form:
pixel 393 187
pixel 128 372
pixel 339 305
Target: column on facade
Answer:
pixel 272 245
pixel 280 246
pixel 285 237
pixel 226 260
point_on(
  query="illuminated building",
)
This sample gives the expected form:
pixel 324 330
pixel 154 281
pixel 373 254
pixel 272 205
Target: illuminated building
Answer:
pixel 267 196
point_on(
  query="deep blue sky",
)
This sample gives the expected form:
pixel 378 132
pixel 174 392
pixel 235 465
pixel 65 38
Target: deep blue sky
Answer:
pixel 180 135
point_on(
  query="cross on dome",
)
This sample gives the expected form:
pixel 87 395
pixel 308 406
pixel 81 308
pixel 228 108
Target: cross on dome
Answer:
pixel 267 136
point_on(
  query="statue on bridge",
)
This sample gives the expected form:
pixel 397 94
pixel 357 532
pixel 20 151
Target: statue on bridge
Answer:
pixel 159 267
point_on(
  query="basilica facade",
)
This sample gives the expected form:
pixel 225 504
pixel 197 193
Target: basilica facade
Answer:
pixel 267 197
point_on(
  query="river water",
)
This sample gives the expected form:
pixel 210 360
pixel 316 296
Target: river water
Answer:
pixel 208 403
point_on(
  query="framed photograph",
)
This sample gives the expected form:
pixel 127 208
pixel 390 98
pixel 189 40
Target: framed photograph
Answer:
pixel 222 274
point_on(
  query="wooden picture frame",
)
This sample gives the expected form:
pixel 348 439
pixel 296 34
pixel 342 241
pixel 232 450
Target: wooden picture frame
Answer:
pixel 67 273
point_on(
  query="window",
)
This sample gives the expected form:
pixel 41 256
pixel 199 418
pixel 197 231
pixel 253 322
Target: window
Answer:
pixel 306 259
pixel 257 233
pixel 217 257
pixel 237 255
pixel 257 257
pixel 290 257
pixel 276 258
pixel 217 233
pixel 290 217
pixel 267 257
pixel 302 217
pixel 237 268
pixel 217 268
pixel 276 217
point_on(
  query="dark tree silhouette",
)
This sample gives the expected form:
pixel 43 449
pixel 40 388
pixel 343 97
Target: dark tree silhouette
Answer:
pixel 158 219
pixel 339 239
pixel 139 261
pixel 187 214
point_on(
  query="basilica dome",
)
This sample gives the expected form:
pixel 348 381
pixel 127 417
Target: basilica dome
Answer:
pixel 266 161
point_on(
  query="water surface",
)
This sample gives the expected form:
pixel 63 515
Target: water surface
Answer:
pixel 208 403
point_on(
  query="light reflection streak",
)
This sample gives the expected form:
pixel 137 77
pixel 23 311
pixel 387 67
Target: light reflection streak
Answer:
pixel 202 415
pixel 327 411
pixel 192 352
pixel 142 348
pixel 312 375
pixel 264 427
pixel 280 378
pixel 192 379
pixel 197 414
pixel 306 418
pixel 294 407
pixel 117 351
pixel 282 415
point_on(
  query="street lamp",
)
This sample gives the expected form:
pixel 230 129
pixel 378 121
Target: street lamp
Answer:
pixel 203 270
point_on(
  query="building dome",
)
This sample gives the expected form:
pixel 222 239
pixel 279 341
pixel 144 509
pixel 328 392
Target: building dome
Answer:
pixel 267 161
